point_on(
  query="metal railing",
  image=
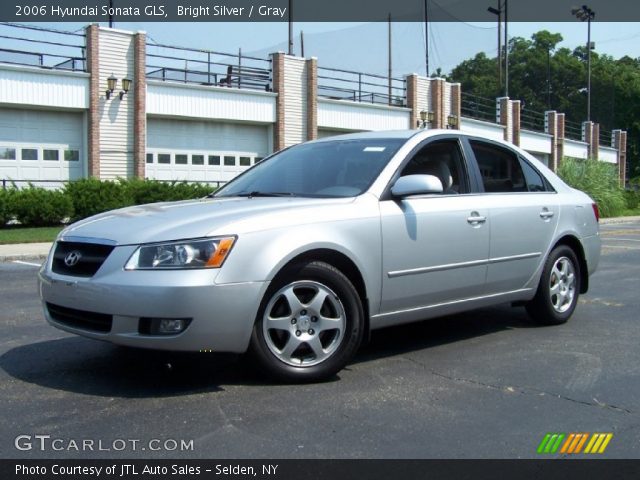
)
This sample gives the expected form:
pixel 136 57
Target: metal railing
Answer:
pixel 206 67
pixel 477 107
pixel 42 47
pixel 362 87
pixel 606 139
pixel 532 120
pixel 56 184
pixel 572 130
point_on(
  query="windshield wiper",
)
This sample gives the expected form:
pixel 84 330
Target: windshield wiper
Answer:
pixel 257 193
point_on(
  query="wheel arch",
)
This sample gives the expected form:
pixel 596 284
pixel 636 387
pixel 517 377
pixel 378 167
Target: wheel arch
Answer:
pixel 574 244
pixel 343 263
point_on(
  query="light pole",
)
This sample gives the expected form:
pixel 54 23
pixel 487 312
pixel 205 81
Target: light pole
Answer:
pixel 498 13
pixel 584 13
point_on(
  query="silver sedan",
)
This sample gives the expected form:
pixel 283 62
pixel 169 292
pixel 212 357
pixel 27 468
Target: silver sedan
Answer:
pixel 301 256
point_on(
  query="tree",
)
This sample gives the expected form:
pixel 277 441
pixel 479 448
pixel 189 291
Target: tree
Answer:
pixel 545 77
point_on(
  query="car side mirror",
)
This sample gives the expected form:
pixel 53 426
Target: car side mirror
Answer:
pixel 416 185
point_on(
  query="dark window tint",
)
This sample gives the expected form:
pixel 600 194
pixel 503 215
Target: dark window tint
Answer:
pixel 149 157
pixel 245 161
pixel 164 158
pixel 53 155
pixel 535 182
pixel 499 167
pixel 72 155
pixel 214 159
pixel 257 160
pixel 443 160
pixel 29 154
pixel 197 159
pixel 230 161
pixel 181 159
pixel 7 153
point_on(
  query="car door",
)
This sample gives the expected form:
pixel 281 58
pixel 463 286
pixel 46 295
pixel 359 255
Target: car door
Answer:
pixel 524 215
pixel 435 247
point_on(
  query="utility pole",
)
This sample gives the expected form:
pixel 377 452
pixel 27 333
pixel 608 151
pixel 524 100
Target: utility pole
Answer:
pixel 390 64
pixel 301 43
pixel 290 27
pixel 498 13
pixel 585 13
pixel 506 48
pixel 426 37
pixel 110 14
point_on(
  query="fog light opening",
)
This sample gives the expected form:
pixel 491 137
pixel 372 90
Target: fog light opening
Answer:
pixel 163 326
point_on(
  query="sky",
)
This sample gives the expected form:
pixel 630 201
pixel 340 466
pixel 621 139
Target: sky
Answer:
pixel 363 46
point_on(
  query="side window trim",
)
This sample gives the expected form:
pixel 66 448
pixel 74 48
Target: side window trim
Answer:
pixel 548 187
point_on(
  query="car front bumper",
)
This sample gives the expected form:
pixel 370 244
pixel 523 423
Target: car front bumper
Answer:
pixel 222 315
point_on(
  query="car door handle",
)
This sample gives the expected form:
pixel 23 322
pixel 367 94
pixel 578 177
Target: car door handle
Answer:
pixel 475 219
pixel 545 214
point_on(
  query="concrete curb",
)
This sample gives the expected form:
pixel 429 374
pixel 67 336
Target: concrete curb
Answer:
pixel 614 220
pixel 24 252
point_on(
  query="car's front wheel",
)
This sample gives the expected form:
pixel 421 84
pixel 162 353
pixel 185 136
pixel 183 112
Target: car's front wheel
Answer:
pixel 559 288
pixel 309 325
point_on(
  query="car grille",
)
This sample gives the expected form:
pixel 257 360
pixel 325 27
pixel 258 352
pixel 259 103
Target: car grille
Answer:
pixel 79 259
pixel 92 321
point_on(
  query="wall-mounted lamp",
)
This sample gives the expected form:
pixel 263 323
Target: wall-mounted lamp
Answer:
pixel 126 85
pixel 111 86
pixel 452 121
pixel 426 118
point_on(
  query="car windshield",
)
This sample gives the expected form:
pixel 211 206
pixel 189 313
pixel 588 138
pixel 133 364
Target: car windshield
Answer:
pixel 334 168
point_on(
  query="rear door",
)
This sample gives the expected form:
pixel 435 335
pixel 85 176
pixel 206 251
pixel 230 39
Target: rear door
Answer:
pixel 524 214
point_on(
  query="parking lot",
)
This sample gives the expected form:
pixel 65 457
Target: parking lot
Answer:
pixel 485 384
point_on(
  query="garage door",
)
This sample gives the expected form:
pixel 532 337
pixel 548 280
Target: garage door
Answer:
pixel 202 151
pixel 41 145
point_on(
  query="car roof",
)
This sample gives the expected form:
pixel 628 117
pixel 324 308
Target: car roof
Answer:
pixel 386 134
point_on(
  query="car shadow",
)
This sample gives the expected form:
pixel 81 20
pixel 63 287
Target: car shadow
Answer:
pixel 402 339
pixel 80 365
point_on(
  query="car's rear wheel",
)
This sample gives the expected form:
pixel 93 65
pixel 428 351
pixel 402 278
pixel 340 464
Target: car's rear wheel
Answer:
pixel 309 325
pixel 559 288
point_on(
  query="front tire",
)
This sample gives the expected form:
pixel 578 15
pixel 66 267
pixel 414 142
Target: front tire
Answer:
pixel 559 288
pixel 309 325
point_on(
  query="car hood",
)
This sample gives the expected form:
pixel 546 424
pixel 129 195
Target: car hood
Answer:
pixel 159 222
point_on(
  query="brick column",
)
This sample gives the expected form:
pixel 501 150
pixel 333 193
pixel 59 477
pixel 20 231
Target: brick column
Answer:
pixel 594 145
pixel 620 144
pixel 139 105
pixel 504 116
pixel 93 127
pixel 437 103
pixel 587 134
pixel 412 100
pixel 551 127
pixel 277 66
pixel 312 98
pixel 560 139
pixel 456 103
pixel 515 122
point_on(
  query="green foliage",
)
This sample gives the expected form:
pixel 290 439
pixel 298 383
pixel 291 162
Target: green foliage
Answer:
pixel 38 207
pixel 615 84
pixel 151 191
pixel 91 196
pixel 597 179
pixel 632 198
pixel 86 197
pixel 6 205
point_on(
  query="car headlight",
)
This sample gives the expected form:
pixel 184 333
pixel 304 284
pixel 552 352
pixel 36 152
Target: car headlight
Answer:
pixel 200 253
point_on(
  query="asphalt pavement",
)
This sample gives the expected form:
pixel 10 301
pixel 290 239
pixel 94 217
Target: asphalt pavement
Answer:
pixel 484 384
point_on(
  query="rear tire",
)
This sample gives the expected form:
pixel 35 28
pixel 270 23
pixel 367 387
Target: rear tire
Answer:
pixel 309 325
pixel 558 290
